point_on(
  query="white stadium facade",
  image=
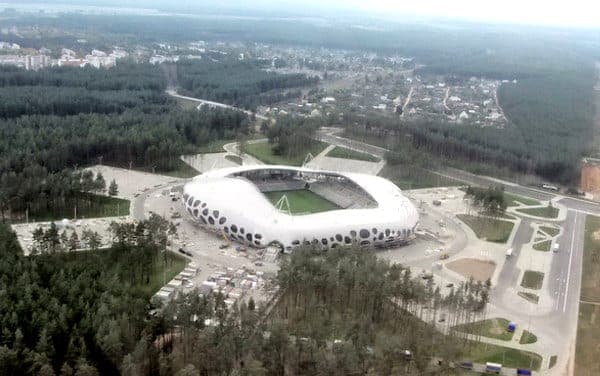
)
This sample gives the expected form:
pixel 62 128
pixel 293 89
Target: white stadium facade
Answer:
pixel 369 210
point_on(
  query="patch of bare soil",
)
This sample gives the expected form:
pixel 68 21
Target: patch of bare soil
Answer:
pixel 480 270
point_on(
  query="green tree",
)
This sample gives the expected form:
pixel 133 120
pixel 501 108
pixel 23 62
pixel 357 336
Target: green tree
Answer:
pixel 188 370
pixel 73 243
pixel 99 183
pixel 84 369
pixel 113 188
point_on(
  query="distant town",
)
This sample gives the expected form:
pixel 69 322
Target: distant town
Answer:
pixel 351 81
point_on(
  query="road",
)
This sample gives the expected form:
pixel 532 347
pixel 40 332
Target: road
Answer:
pixel 558 326
pixel 174 94
pixel 407 101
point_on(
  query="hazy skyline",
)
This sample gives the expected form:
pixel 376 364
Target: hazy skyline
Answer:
pixel 583 13
pixel 580 13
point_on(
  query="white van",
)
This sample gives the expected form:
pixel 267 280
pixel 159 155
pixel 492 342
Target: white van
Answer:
pixel 555 247
pixel 509 252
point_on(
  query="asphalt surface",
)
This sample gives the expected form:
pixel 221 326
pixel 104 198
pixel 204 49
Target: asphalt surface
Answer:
pixel 564 277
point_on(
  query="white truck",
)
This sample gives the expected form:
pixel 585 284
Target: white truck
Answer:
pixel 509 252
pixel 555 247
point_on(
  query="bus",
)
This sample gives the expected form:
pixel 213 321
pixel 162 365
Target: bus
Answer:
pixel 495 368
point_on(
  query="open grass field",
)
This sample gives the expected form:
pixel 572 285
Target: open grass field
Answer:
pixel 542 246
pixel 492 328
pixel 414 177
pixel 340 152
pixel 588 326
pixel 550 231
pixel 527 337
pixel 514 200
pixel 181 170
pixel 543 212
pixel 532 279
pixel 88 206
pixel 529 296
pixel 264 152
pixel 215 146
pixel 302 201
pixel 492 230
pixel 590 282
pixel 588 330
pixel 234 158
pixel 508 357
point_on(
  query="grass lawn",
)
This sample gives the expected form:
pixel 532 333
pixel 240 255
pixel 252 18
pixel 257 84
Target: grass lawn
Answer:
pixel 302 201
pixel 88 206
pixel 529 296
pixel 162 274
pixel 263 152
pixel 542 246
pixel 527 337
pixel 414 177
pixel 508 357
pixel 590 282
pixel 340 152
pixel 588 326
pixel 181 170
pixel 492 230
pixel 215 146
pixel 532 279
pixel 587 351
pixel 550 231
pixel 492 328
pixel 234 158
pixel 514 200
pixel 544 212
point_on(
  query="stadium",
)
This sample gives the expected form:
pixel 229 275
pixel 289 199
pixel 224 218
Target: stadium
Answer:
pixel 287 207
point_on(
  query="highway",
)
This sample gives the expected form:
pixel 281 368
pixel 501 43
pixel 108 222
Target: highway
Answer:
pixel 213 104
pixel 557 325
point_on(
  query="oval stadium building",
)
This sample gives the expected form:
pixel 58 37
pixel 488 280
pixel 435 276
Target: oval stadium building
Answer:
pixel 291 206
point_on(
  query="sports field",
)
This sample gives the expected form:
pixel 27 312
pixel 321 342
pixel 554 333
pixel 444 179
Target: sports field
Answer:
pixel 302 201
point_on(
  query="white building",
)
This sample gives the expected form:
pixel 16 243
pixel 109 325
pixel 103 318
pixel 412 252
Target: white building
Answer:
pixel 371 211
pixel 35 62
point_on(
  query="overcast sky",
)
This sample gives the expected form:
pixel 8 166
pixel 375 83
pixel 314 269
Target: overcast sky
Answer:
pixel 582 13
pixel 547 12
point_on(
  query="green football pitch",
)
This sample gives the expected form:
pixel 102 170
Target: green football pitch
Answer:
pixel 302 201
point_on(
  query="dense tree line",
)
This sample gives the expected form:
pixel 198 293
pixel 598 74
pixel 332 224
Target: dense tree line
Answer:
pixel 124 76
pixel 242 83
pixel 49 100
pixel 338 313
pixel 554 116
pixel 76 313
pixel 292 136
pixel 76 117
pixel 545 145
pixel 491 200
